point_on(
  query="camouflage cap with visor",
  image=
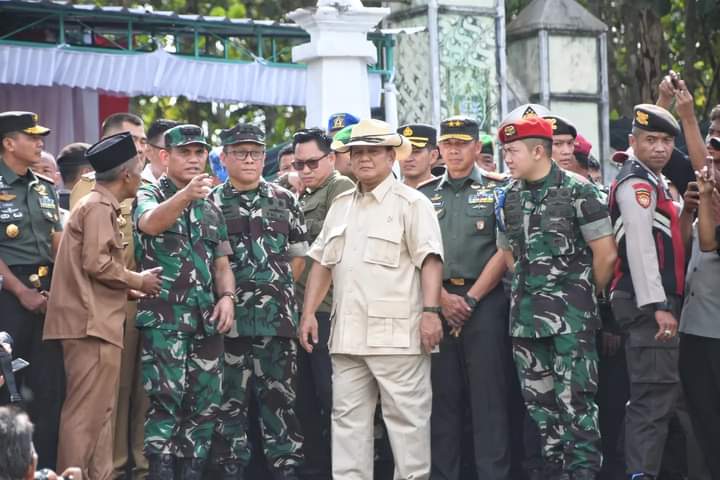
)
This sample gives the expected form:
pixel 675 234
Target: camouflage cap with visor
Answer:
pixel 185 135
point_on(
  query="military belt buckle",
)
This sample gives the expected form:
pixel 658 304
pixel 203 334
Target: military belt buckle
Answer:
pixel 458 282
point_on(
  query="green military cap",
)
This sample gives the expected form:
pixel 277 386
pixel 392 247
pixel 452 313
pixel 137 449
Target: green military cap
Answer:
pixel 461 128
pixel 655 119
pixel 419 134
pixel 342 137
pixel 185 135
pixel 488 144
pixel 242 133
pixel 26 122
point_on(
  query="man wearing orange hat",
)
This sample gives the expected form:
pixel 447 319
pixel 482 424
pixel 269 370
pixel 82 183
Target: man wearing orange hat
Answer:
pixel 557 238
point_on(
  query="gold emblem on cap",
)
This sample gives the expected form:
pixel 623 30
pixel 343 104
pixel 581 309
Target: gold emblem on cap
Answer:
pixel 641 117
pixel 529 112
pixel 455 123
pixel 12 231
pixel 553 122
pixel 36 119
pixel 509 130
pixel 408 132
pixel 339 122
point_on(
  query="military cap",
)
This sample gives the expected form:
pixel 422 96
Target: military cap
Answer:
pixel 715 142
pixel 341 137
pixel 72 154
pixel 26 122
pixel 242 133
pixel 582 150
pixel 620 156
pixel 461 128
pixel 488 144
pixel 338 121
pixel 525 111
pixel 531 127
pixel 185 135
pixel 419 134
pixel 111 151
pixel 561 126
pixel 655 119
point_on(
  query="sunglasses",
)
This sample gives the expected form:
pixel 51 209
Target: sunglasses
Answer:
pixel 312 163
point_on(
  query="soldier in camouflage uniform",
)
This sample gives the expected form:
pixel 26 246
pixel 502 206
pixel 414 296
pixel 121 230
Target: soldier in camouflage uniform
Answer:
pixel 185 234
pixel 558 240
pixel 267 235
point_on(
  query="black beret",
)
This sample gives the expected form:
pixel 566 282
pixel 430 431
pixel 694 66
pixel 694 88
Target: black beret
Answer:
pixel 242 133
pixel 655 119
pixel 26 122
pixel 561 126
pixel 419 134
pixel 111 151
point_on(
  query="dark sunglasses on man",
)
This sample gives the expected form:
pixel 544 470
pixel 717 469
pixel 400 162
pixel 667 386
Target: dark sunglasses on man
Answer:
pixel 312 163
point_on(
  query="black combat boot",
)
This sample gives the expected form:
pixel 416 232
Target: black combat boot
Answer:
pixel 161 467
pixel 554 471
pixel 192 468
pixel 583 474
pixel 232 471
pixel 286 473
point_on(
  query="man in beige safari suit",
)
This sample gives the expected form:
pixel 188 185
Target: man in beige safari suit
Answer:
pixel 381 248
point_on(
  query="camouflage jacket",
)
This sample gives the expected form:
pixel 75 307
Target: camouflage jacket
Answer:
pixel 186 251
pixel 548 228
pixel 266 228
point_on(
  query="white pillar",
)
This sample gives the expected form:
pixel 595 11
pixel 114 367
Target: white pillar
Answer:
pixel 337 57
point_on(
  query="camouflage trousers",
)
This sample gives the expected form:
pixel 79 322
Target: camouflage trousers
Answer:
pixel 182 375
pixel 558 376
pixel 264 367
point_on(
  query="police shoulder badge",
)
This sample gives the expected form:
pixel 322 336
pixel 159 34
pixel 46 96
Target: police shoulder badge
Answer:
pixel 642 194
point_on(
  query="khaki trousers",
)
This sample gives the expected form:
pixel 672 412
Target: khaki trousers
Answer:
pixel 92 367
pixel 132 404
pixel 403 382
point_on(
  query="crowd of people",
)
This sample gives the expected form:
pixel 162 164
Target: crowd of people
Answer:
pixel 389 294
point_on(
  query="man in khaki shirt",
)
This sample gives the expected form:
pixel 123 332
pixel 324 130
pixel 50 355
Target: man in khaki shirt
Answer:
pixel 86 310
pixel 381 248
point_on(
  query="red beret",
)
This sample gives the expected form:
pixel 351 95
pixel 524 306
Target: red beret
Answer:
pixel 530 127
pixel 582 146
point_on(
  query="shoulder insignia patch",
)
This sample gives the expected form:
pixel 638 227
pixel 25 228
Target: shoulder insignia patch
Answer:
pixel 643 194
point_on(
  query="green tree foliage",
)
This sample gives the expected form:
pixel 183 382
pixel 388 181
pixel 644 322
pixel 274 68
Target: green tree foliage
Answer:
pixel 646 38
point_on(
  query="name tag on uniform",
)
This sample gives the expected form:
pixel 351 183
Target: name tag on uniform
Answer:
pixel 46 202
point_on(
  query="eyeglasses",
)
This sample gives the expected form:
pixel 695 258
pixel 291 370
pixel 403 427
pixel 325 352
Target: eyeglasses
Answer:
pixel 312 163
pixel 256 155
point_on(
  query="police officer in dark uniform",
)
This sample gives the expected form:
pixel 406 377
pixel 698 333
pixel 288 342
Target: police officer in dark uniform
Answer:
pixel 29 234
pixel 647 287
pixel 473 366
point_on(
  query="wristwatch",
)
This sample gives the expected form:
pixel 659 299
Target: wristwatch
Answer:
pixel 432 310
pixel 664 306
pixel 472 303
pixel 232 296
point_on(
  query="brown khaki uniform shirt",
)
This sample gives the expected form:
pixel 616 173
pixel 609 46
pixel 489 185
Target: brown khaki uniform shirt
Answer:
pixel 89 287
pixel 82 188
pixel 375 244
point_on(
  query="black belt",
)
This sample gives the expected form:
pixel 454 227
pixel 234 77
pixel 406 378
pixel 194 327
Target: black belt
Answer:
pixel 459 282
pixel 33 275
